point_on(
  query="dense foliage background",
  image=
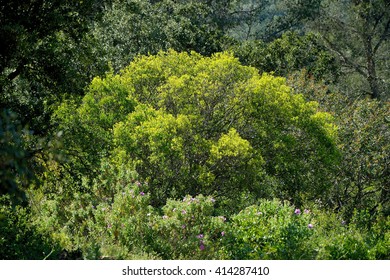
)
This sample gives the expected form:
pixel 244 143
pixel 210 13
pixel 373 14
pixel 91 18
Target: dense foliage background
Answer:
pixel 200 129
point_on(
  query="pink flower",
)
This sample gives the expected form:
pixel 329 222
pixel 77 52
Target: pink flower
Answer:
pixel 306 211
pixel 142 193
pixel 200 236
pixel 310 226
pixel 297 211
pixel 223 233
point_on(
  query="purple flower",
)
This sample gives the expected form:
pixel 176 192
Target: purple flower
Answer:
pixel 138 183
pixel 184 212
pixel 310 226
pixel 306 211
pixel 183 226
pixel 142 193
pixel 201 246
pixel 200 236
pixel 223 233
pixel 109 226
pixel 297 211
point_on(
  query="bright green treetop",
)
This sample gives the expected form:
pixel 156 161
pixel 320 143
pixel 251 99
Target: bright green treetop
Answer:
pixel 190 124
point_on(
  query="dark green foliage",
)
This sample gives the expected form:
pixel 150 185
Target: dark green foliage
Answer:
pixel 358 33
pixel 41 48
pixel 290 53
pixel 361 179
pixel 14 166
pixel 19 238
pixel 130 28
pixel 268 20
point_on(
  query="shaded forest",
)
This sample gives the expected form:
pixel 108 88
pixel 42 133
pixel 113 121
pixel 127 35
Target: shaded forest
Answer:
pixel 237 129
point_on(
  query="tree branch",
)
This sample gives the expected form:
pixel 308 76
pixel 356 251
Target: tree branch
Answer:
pixel 345 59
pixel 17 71
pixel 383 37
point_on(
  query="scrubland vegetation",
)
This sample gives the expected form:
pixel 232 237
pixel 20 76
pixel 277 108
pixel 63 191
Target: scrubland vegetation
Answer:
pixel 194 129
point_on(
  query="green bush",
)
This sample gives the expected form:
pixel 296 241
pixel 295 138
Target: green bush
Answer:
pixel 19 238
pixel 271 230
pixel 336 239
pixel 188 229
pixel 110 221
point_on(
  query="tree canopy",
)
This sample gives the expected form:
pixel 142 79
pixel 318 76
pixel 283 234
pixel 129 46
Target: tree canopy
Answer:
pixel 194 124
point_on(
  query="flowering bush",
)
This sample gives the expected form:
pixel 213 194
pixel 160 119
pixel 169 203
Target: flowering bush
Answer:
pixel 188 229
pixel 115 220
pixel 271 230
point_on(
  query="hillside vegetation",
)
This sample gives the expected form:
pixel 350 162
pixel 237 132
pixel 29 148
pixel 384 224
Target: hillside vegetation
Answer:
pixel 194 130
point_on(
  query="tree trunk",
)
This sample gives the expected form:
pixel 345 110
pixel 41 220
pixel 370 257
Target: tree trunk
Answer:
pixel 371 67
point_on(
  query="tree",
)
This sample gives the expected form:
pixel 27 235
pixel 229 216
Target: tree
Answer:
pixel 129 28
pixel 203 125
pixel 267 20
pixel 358 33
pixel 360 181
pixel 42 55
pixel 288 54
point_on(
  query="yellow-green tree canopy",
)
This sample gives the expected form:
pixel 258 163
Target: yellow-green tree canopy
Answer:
pixel 190 124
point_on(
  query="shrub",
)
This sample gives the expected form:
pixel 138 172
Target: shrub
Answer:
pixel 188 229
pixel 19 238
pixel 270 230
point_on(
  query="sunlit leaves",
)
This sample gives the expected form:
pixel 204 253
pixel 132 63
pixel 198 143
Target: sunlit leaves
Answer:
pixel 204 125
